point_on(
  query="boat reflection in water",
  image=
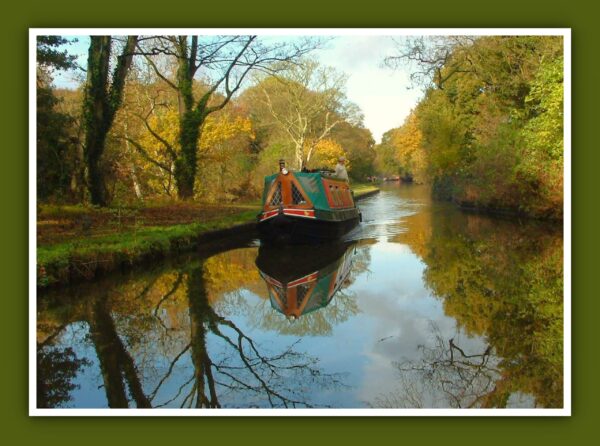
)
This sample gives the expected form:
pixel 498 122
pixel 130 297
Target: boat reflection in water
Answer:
pixel 304 278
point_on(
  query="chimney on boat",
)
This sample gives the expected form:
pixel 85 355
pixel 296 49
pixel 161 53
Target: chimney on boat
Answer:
pixel 282 168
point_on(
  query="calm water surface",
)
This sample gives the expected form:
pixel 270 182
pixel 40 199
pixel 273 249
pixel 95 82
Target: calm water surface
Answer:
pixel 421 306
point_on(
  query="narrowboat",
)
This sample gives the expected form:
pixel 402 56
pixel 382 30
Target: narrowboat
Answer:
pixel 305 278
pixel 306 207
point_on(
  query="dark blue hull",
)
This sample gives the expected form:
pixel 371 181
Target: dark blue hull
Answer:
pixel 285 229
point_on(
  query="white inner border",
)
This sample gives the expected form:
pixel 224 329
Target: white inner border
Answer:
pixel 565 32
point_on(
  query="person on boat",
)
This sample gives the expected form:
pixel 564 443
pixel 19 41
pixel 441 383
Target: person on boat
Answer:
pixel 340 168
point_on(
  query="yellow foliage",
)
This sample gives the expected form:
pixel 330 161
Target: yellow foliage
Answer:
pixel 230 271
pixel 223 134
pixel 223 127
pixel 326 154
pixel 408 141
pixel 224 137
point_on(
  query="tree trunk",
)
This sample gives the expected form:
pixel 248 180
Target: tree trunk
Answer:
pixel 94 172
pixel 115 361
pixel 200 315
pixel 299 156
pixel 100 105
pixel 186 164
pixel 134 178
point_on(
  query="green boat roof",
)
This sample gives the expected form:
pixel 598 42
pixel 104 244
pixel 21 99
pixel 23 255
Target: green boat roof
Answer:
pixel 311 184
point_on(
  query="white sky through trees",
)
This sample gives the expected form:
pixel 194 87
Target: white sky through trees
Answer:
pixel 383 95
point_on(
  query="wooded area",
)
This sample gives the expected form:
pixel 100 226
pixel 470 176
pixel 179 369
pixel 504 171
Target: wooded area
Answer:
pixel 488 132
pixel 206 118
pixel 180 127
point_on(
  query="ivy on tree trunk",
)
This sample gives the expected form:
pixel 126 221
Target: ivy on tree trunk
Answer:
pixel 103 98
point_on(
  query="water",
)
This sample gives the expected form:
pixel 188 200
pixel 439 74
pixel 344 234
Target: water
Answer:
pixel 421 306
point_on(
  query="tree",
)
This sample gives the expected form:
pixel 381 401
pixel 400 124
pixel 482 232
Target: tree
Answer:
pixel 359 147
pixel 403 149
pixel 434 60
pixel 306 101
pixel 55 145
pixel 103 97
pixel 149 125
pixel 491 140
pixel 498 278
pixel 326 154
pixel 48 56
pixel 446 375
pixel 386 162
pixel 224 62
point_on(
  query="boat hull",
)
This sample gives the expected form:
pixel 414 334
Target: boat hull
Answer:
pixel 288 229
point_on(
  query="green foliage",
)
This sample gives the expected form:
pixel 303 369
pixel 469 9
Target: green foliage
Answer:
pixel 544 130
pixel 493 129
pixel 491 121
pixel 359 147
pixel 504 281
pixel 48 55
pixel 56 148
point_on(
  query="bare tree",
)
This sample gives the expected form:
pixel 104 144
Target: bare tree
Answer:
pixel 307 101
pixel 432 59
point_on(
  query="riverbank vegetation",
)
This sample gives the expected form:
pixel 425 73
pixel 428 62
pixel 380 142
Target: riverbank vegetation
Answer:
pixel 168 136
pixel 78 242
pixel 488 131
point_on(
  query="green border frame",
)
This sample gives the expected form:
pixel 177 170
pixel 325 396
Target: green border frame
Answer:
pixel 575 14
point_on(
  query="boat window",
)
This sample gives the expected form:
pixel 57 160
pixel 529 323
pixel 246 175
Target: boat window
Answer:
pixel 301 293
pixel 297 197
pixel 276 198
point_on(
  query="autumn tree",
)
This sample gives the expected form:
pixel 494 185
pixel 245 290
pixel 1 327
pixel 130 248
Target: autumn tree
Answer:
pixel 149 129
pixel 103 96
pixel 483 98
pixel 409 153
pixel 326 154
pixel 305 101
pixel 386 162
pixel 498 278
pixel 223 63
pixel 359 147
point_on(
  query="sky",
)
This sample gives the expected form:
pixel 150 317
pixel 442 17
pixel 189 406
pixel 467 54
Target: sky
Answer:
pixel 384 95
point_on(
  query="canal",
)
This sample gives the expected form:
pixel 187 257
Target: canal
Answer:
pixel 423 305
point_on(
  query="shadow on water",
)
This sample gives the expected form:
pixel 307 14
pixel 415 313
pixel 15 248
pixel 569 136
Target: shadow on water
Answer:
pixel 422 306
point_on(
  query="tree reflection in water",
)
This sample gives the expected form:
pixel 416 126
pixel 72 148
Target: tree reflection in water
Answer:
pixel 56 369
pixel 501 280
pixel 167 341
pixel 445 375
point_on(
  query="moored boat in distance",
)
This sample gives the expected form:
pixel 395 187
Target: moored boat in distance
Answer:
pixel 306 207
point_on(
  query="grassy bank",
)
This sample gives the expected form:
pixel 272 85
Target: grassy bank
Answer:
pixel 78 243
pixel 363 189
pixel 88 257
